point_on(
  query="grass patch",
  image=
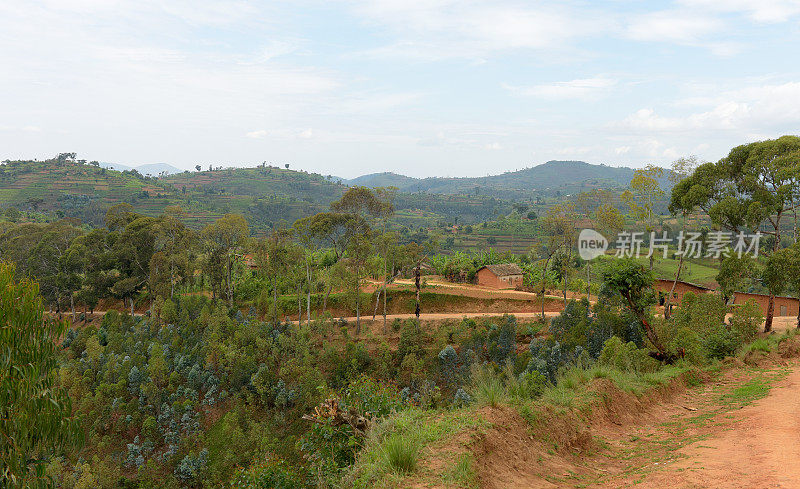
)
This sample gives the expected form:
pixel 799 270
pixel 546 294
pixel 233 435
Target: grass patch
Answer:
pixel 487 387
pixel 462 473
pixel 749 392
pixel 400 453
pixel 390 446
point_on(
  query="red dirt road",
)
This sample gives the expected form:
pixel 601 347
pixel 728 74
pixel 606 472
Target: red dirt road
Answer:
pixel 755 447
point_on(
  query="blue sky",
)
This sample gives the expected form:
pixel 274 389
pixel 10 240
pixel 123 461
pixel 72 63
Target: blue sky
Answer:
pixel 424 88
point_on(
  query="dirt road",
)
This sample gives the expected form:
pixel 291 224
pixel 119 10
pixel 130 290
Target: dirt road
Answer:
pixel 761 448
pixel 756 446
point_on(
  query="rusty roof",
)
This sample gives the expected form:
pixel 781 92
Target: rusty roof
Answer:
pixel 504 269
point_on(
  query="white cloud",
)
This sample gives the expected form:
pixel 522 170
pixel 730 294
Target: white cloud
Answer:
pixel 678 26
pixel 580 88
pixel 741 110
pixel 260 134
pixel 766 11
pixel 307 134
pixel 438 29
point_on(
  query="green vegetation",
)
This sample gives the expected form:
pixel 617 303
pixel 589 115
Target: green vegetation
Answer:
pixel 36 418
pixel 194 377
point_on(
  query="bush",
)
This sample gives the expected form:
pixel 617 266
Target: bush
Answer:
pixel 372 398
pixel 720 341
pixel 528 385
pixel 746 320
pixel 461 398
pixel 700 312
pixel 570 328
pixel 697 331
pixel 267 475
pixel 686 343
pixel 548 357
pixel 626 357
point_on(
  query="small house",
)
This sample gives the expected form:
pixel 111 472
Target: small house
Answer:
pixel 664 286
pixel 501 276
pixel 784 306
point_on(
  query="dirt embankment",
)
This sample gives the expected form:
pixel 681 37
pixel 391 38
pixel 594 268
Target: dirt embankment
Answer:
pixel 738 429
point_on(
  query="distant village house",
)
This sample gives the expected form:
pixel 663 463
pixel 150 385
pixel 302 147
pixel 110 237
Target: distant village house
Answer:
pixel 784 306
pixel 664 286
pixel 502 276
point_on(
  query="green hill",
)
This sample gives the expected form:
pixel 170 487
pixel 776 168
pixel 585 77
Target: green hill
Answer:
pixel 265 195
pixel 546 179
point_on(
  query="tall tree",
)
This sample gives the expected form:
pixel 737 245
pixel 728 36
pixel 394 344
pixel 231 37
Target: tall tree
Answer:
pixel 598 206
pixel 362 204
pixel 132 249
pixel 273 257
pixel 751 189
pixel 173 242
pixel 36 420
pixel 642 197
pixel 684 205
pixel 225 239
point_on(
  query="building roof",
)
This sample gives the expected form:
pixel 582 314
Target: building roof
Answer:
pixel 765 295
pixel 504 269
pixel 670 280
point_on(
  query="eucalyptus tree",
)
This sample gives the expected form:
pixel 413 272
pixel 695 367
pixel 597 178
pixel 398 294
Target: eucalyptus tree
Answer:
pixel 36 419
pixel 362 204
pixel 684 205
pixel 598 206
pixel 754 188
pixel 224 240
pixel 643 196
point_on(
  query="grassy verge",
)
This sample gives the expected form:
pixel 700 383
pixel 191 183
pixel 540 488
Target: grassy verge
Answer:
pixel 395 447
pixel 567 404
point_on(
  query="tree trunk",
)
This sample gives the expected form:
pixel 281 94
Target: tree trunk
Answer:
pixel 544 284
pixel 299 305
pixel 275 302
pixel 131 306
pixel 230 282
pixel 384 309
pixel 770 314
pixel 648 328
pixel 377 301
pixel 668 302
pixel 327 294
pixel 588 284
pixel 358 301
pixel 308 296
pixel 72 306
pixel 565 292
pixel 417 274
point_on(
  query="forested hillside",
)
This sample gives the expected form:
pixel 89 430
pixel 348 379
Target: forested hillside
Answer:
pixel 548 179
pixel 266 196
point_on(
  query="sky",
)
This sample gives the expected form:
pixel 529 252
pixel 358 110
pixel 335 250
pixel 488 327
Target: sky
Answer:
pixel 418 87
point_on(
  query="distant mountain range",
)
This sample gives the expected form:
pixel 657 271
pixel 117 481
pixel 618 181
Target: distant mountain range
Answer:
pixel 547 179
pixel 152 169
pixel 268 195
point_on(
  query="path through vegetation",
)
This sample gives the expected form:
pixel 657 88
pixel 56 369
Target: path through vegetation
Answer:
pixel 737 433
